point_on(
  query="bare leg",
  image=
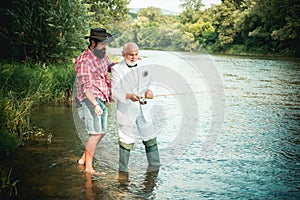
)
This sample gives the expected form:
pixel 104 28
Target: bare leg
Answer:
pixel 90 149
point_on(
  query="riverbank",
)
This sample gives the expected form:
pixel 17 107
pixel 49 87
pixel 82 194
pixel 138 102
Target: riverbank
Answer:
pixel 24 87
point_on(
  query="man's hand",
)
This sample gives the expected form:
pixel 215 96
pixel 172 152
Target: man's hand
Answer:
pixel 98 110
pixel 149 94
pixel 132 97
pixel 90 96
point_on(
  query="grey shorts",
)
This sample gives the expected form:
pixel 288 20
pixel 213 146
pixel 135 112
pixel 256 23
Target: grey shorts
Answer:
pixel 94 124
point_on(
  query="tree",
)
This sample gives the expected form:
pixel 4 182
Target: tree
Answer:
pixel 272 26
pixel 226 31
pixel 203 32
pixel 151 29
pixel 44 31
pixel 52 30
pixel 153 15
pixel 191 11
pixel 106 13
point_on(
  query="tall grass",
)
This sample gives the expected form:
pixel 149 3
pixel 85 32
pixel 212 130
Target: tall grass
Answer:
pixel 26 85
pixel 8 186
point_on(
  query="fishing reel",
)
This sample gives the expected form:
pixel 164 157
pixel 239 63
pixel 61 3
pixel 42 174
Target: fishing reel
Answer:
pixel 142 101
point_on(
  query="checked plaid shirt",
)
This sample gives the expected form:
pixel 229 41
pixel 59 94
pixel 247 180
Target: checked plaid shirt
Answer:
pixel 92 74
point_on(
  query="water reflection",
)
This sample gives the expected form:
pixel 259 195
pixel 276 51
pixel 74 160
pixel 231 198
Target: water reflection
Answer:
pixel 121 186
pixel 150 182
pixel 146 189
pixel 91 190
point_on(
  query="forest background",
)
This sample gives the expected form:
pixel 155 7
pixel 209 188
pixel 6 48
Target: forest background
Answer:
pixel 40 39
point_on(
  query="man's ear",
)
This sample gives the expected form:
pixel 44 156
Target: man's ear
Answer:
pixel 93 46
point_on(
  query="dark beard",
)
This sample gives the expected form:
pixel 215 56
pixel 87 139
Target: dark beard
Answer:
pixel 99 53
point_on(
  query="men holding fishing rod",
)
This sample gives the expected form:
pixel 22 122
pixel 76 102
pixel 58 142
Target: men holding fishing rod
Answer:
pixel 131 84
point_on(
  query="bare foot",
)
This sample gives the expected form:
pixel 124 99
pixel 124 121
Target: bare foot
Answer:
pixel 80 162
pixel 93 172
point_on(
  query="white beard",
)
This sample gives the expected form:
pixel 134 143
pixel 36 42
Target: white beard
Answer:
pixel 130 63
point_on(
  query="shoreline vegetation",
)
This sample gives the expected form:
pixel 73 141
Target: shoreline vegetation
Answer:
pixel 25 86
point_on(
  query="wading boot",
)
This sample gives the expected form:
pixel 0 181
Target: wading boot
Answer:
pixel 152 154
pixel 123 159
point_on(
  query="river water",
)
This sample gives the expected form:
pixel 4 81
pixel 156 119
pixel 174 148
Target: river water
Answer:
pixel 228 129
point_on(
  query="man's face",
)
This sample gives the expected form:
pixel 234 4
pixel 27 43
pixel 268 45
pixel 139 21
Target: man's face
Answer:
pixel 101 46
pixel 100 49
pixel 131 57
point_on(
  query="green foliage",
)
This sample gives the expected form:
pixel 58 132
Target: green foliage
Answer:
pixel 16 99
pixel 15 112
pixel 8 142
pixel 106 13
pixel 264 27
pixel 153 30
pixel 51 31
pixel 191 11
pixel 58 81
pixel 203 32
pixel 8 186
pixel 237 49
pixel 152 14
pixel 27 85
pixel 46 30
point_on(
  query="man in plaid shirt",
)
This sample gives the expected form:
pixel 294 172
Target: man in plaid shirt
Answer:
pixel 93 92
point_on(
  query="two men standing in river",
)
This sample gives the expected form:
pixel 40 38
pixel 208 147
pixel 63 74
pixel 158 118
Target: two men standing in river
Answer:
pixel 130 83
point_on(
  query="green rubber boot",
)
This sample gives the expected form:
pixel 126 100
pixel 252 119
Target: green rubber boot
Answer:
pixel 123 159
pixel 152 154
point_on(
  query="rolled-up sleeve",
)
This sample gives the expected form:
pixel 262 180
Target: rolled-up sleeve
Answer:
pixel 84 77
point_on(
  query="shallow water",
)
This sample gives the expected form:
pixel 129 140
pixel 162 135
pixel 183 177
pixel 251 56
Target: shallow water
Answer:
pixel 228 129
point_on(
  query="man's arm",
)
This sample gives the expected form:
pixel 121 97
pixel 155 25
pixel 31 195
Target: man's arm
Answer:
pixel 90 96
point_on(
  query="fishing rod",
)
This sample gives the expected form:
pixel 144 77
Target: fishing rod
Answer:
pixel 143 101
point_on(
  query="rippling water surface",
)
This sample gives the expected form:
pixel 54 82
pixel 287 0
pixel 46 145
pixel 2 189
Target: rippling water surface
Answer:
pixel 231 131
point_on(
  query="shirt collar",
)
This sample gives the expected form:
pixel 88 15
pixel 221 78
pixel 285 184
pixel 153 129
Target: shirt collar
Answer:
pixel 130 66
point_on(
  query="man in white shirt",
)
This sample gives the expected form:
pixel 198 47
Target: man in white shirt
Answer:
pixel 131 83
